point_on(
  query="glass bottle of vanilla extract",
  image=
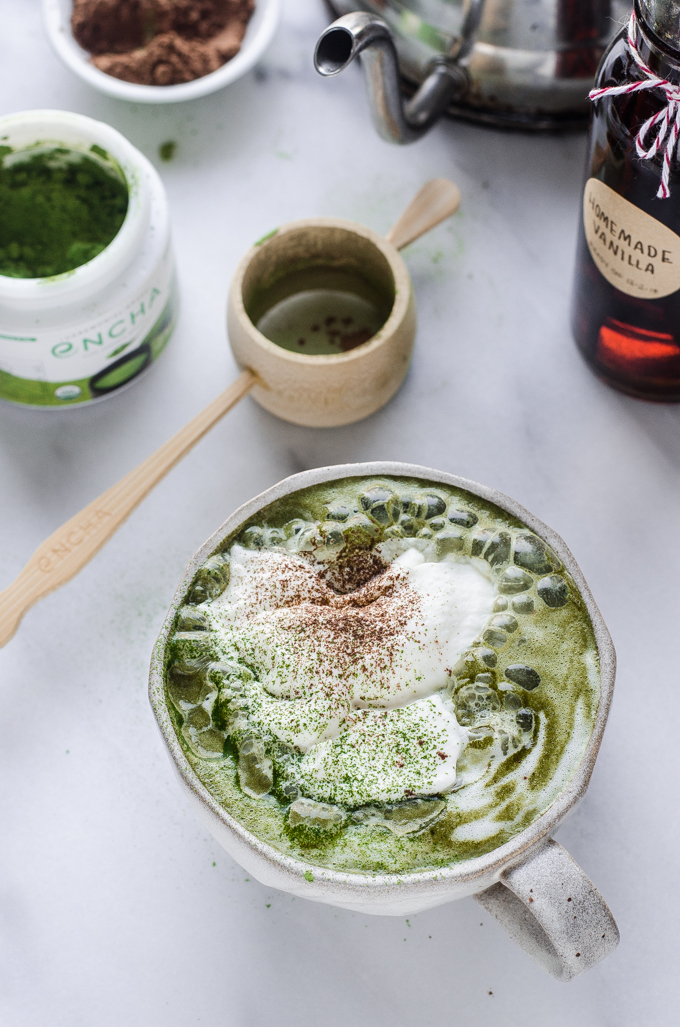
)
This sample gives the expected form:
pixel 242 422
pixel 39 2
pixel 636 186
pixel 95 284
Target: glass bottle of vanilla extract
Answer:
pixel 626 300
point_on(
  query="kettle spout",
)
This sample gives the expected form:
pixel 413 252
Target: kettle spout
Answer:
pixel 397 121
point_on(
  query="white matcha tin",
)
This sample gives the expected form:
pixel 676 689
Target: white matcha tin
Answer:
pixel 80 336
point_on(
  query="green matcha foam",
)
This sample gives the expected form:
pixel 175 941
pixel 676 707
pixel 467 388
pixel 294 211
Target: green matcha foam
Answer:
pixel 384 675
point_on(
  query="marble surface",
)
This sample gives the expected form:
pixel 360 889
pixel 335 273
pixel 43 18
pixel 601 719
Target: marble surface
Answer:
pixel 116 905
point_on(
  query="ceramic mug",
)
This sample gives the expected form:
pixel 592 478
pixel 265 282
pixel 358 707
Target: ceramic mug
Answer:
pixel 530 884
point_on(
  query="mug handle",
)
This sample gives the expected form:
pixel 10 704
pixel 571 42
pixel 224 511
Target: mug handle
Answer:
pixel 554 912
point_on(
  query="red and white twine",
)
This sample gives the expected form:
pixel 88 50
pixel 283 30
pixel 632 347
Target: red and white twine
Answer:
pixel 664 125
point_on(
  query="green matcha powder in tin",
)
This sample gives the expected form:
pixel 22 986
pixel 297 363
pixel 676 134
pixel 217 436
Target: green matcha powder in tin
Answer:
pixel 58 210
pixel 87 288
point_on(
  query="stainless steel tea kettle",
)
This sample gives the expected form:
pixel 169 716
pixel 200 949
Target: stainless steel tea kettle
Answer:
pixel 516 63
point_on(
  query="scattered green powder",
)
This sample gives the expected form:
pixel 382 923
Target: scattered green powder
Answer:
pixel 58 210
pixel 167 150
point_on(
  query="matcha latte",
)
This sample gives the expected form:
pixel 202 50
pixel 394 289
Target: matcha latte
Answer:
pixel 383 675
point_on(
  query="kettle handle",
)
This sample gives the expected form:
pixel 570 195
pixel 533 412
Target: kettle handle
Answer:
pixel 463 43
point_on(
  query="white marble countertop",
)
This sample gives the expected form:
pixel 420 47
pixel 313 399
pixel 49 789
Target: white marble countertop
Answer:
pixel 117 906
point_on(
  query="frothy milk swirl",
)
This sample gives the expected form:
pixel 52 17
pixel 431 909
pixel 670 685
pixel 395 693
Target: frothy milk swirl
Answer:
pixel 351 680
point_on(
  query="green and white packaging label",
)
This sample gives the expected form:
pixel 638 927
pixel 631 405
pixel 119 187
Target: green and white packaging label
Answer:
pixel 57 367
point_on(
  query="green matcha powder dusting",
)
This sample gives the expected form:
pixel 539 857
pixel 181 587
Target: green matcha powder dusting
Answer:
pixel 58 210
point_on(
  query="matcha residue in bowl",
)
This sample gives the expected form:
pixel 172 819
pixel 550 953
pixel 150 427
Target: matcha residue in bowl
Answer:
pixel 59 208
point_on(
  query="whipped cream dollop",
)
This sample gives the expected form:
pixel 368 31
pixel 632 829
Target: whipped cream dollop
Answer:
pixel 351 681
pixel 386 755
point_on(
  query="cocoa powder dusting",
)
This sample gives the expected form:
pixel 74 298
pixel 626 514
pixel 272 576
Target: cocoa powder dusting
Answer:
pixel 352 570
pixel 361 622
pixel 160 42
pixel 366 623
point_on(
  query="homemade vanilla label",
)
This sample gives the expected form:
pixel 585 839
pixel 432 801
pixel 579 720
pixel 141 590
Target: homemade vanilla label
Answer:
pixel 634 252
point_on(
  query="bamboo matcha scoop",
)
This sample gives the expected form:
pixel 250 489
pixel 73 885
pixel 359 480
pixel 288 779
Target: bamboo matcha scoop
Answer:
pixel 315 390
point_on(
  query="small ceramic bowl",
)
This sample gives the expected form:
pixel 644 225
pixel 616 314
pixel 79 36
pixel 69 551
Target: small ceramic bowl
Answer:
pixel 259 34
pixel 322 391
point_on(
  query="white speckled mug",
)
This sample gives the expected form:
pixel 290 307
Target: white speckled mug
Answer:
pixel 530 884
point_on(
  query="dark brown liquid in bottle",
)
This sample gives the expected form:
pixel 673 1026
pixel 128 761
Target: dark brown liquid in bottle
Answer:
pixel 631 342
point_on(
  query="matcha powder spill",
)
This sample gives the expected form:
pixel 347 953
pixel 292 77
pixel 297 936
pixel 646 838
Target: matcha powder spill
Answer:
pixel 58 210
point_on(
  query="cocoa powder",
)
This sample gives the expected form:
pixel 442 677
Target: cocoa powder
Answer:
pixel 160 42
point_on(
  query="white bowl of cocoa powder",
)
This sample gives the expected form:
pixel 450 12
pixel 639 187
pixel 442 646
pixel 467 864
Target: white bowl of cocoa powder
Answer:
pixel 160 51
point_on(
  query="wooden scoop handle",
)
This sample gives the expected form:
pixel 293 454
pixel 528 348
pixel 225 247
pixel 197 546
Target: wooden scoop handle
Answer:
pixel 436 201
pixel 73 545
